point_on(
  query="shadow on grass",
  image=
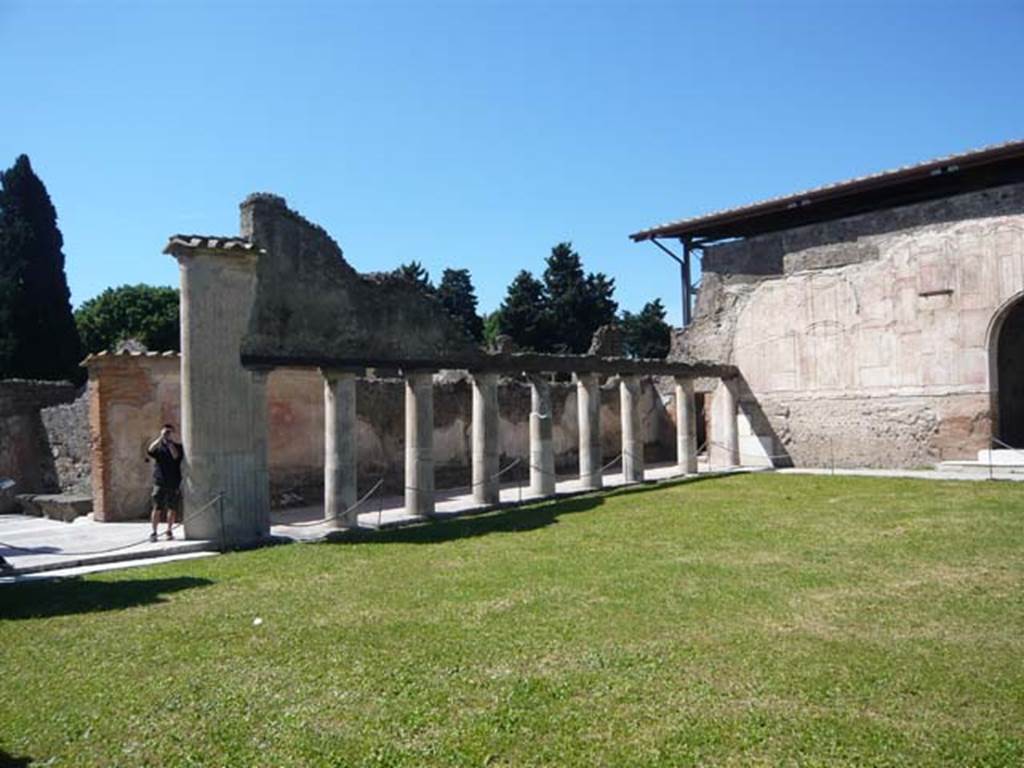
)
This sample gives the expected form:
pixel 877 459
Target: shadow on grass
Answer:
pixel 512 519
pixel 44 599
pixel 8 760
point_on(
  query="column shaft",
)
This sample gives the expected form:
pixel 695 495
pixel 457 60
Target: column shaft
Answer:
pixel 261 509
pixel 542 453
pixel 632 430
pixel 419 444
pixel 339 448
pixel 485 438
pixel 588 403
pixel 731 431
pixel 686 427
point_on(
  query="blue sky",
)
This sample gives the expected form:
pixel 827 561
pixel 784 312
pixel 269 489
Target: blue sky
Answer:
pixel 479 134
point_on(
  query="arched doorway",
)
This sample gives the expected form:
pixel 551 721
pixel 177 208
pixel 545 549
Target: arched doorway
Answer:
pixel 1010 367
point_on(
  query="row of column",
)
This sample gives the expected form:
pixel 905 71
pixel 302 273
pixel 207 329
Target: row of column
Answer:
pixel 340 438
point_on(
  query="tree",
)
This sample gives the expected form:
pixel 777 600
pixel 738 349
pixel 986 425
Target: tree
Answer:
pixel 457 295
pixel 646 334
pixel 416 273
pixel 144 312
pixel 561 313
pixel 577 304
pixel 523 314
pixel 38 339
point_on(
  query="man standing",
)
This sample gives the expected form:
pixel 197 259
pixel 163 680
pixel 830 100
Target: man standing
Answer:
pixel 167 456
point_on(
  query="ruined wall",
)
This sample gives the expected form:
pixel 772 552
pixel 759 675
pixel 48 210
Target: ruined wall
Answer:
pixel 25 453
pixel 132 394
pixel 866 340
pixel 67 435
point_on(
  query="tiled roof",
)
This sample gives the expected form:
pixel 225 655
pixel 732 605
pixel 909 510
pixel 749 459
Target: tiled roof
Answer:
pixel 97 357
pixel 860 185
pixel 209 242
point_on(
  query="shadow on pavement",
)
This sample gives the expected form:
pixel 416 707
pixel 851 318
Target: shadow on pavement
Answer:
pixel 528 517
pixel 44 599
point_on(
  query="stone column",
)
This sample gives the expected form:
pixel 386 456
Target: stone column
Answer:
pixel 588 405
pixel 542 452
pixel 419 443
pixel 261 510
pixel 730 426
pixel 686 427
pixel 339 448
pixel 485 438
pixel 632 430
pixel 223 409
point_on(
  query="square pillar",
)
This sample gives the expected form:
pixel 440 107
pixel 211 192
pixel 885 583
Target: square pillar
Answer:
pixel 588 406
pixel 632 430
pixel 419 443
pixel 542 451
pixel 686 427
pixel 485 438
pixel 340 488
pixel 223 405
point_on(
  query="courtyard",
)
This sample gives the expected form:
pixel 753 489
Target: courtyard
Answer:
pixel 751 619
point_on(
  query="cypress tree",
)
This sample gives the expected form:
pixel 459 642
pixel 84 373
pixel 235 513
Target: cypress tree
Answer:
pixel 646 333
pixel 456 293
pixel 38 339
pixel 523 314
pixel 577 304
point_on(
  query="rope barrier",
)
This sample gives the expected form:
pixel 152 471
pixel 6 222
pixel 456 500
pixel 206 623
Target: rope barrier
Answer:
pixel 73 553
pixel 344 513
pixel 360 502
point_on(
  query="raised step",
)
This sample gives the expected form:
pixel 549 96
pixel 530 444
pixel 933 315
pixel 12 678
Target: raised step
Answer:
pixel 1001 457
pixel 977 468
pixel 55 506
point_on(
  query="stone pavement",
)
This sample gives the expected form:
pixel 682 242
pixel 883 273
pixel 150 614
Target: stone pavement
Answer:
pixel 37 544
pixel 306 523
pixel 966 471
pixel 55 549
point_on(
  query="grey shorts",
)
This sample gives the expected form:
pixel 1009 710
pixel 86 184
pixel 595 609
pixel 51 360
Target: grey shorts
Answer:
pixel 166 499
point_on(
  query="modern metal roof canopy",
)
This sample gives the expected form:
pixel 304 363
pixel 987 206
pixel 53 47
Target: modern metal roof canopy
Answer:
pixel 943 177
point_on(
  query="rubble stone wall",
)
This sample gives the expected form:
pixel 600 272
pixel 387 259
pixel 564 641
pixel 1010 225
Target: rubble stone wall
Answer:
pixel 866 341
pixel 67 435
pixel 131 395
pixel 25 453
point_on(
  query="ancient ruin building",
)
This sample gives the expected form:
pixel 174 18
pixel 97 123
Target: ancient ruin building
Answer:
pixel 281 297
pixel 877 322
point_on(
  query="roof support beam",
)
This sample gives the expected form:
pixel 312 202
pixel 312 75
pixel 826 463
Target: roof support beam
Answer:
pixel 684 275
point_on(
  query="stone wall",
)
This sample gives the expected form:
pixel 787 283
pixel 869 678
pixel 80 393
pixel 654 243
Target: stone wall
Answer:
pixel 866 341
pixel 67 434
pixel 25 453
pixel 132 394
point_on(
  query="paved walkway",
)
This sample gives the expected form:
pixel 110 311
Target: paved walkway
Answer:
pixel 306 523
pixel 966 471
pixel 36 544
pixel 38 547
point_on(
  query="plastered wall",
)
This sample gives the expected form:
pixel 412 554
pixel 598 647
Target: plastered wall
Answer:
pixel 868 341
pixel 131 395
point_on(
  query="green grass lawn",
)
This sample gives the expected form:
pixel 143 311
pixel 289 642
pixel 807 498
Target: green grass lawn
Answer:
pixel 747 620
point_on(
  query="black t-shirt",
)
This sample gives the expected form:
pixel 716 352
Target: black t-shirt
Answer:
pixel 167 468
